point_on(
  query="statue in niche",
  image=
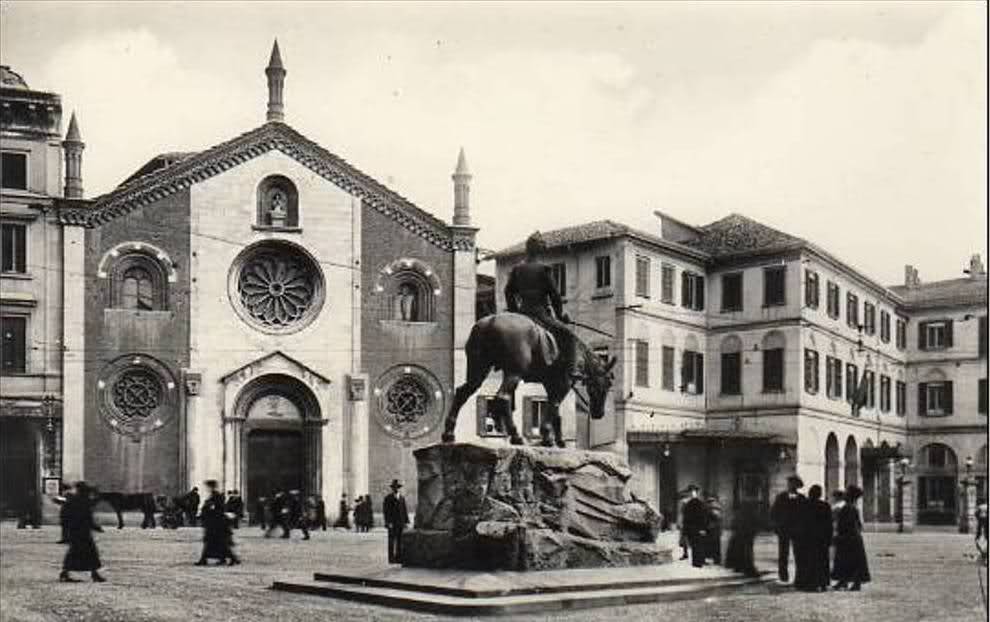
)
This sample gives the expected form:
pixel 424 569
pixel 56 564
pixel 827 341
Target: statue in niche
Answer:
pixel 278 211
pixel 406 309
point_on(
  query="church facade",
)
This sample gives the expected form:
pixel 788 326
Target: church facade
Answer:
pixel 262 313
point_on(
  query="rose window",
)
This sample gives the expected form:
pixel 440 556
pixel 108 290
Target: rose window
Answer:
pixel 137 394
pixel 278 287
pixel 406 401
pixel 409 401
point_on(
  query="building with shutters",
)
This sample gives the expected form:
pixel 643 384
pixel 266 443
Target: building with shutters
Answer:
pixel 31 162
pixel 741 350
pixel 260 312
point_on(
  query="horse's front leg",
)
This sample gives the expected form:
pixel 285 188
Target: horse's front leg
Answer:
pixel 555 395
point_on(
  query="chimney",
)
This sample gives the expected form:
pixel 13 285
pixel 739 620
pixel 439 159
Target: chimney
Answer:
pixel 73 147
pixel 276 81
pixel 462 192
pixel 911 276
pixel 976 269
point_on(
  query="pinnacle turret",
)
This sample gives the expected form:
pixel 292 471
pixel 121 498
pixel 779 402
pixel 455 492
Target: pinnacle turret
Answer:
pixel 462 191
pixel 276 83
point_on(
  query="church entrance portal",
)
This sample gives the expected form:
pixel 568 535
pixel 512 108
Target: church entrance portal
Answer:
pixel 275 462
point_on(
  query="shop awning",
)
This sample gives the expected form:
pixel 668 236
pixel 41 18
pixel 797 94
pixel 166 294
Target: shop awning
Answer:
pixel 706 434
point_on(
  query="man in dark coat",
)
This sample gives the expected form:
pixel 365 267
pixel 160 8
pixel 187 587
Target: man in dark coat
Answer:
pixel 396 519
pixel 850 554
pixel 695 526
pixel 814 543
pixel 343 513
pixel 217 537
pixel 785 515
pixel 321 513
pixel 745 526
pixel 82 553
pixel 192 506
pixel 296 518
pixel 279 514
pixel 530 290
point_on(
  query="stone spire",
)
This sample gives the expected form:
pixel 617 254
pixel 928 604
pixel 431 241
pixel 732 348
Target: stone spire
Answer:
pixel 276 81
pixel 73 147
pixel 462 192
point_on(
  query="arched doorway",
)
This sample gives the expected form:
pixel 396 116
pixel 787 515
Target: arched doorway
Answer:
pixel 18 467
pixel 280 438
pixel 869 473
pixel 832 465
pixel 938 481
pixel 852 461
pixel 981 475
pixel 885 478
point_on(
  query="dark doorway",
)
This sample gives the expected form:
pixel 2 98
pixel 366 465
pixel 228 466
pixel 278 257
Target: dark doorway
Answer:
pixel 753 488
pixel 274 462
pixel 18 467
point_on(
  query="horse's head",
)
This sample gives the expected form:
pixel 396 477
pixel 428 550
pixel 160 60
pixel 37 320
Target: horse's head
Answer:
pixel 597 380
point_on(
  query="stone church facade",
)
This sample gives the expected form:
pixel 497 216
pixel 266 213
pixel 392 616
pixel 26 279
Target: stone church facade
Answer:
pixel 262 313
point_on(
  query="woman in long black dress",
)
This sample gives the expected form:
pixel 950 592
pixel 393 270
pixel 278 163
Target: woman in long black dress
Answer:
pixel 217 534
pixel 79 528
pixel 739 555
pixel 850 565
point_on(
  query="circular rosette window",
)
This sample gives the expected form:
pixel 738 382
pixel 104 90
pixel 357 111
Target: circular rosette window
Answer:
pixel 276 287
pixel 137 395
pixel 410 401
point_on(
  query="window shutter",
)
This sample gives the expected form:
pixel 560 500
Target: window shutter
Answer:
pixel 684 289
pixel 922 332
pixel 948 334
pixel 700 281
pixel 685 369
pixel 922 398
pixel 699 372
pixel 948 398
pixel 828 376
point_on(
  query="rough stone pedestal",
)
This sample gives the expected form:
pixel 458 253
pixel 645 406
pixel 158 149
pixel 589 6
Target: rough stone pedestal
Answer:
pixel 528 508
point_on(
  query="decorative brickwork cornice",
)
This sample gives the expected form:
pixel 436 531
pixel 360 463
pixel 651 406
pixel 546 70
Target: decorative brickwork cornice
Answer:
pixel 206 164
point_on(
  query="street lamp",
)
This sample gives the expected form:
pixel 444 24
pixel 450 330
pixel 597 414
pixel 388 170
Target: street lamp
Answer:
pixel 902 464
pixel 964 513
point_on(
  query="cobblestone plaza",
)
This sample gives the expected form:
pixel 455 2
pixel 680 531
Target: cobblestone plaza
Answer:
pixel 922 576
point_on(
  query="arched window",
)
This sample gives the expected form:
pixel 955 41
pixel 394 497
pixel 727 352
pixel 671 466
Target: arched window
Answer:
pixel 278 203
pixel 407 290
pixel 138 283
pixel 938 471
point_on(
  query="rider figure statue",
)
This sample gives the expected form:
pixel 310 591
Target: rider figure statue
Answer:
pixel 532 292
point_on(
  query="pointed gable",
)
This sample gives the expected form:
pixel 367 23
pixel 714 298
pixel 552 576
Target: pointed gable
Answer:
pixel 180 175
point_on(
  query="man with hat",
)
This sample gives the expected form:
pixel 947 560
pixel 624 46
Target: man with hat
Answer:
pixel 785 514
pixel 694 524
pixel 396 519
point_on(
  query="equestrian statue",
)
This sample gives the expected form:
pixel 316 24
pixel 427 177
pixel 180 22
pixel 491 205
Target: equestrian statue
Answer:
pixel 532 342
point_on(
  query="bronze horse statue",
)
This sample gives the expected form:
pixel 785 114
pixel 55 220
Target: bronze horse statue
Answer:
pixel 512 342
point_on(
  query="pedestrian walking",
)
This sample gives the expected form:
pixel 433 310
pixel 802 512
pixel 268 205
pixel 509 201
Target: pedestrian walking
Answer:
pixel 814 544
pixel 367 514
pixel 713 527
pixel 785 514
pixel 261 511
pixel 343 513
pixel 192 506
pixel 358 509
pixel 235 506
pixel 321 513
pixel 745 526
pixel 694 526
pixel 850 553
pixel 217 534
pixel 295 518
pixel 278 514
pixel 396 519
pixel 82 554
pixel 682 539
pixel 62 499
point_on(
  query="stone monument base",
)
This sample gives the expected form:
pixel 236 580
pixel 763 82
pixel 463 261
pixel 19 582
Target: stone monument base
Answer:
pixel 474 593
pixel 500 507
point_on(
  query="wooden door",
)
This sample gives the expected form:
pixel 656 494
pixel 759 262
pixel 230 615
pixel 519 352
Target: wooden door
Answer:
pixel 275 462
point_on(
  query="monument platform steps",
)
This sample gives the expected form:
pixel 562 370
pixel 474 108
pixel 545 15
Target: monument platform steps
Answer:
pixel 505 593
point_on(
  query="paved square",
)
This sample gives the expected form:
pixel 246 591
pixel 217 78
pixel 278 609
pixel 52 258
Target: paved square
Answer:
pixel 921 576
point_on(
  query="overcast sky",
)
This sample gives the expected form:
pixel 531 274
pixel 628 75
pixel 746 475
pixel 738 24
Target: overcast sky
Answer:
pixel 861 127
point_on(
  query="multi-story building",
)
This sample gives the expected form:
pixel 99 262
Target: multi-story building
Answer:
pixel 742 349
pixel 30 293
pixel 260 312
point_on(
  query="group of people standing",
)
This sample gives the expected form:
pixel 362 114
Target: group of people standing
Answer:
pixel 811 527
